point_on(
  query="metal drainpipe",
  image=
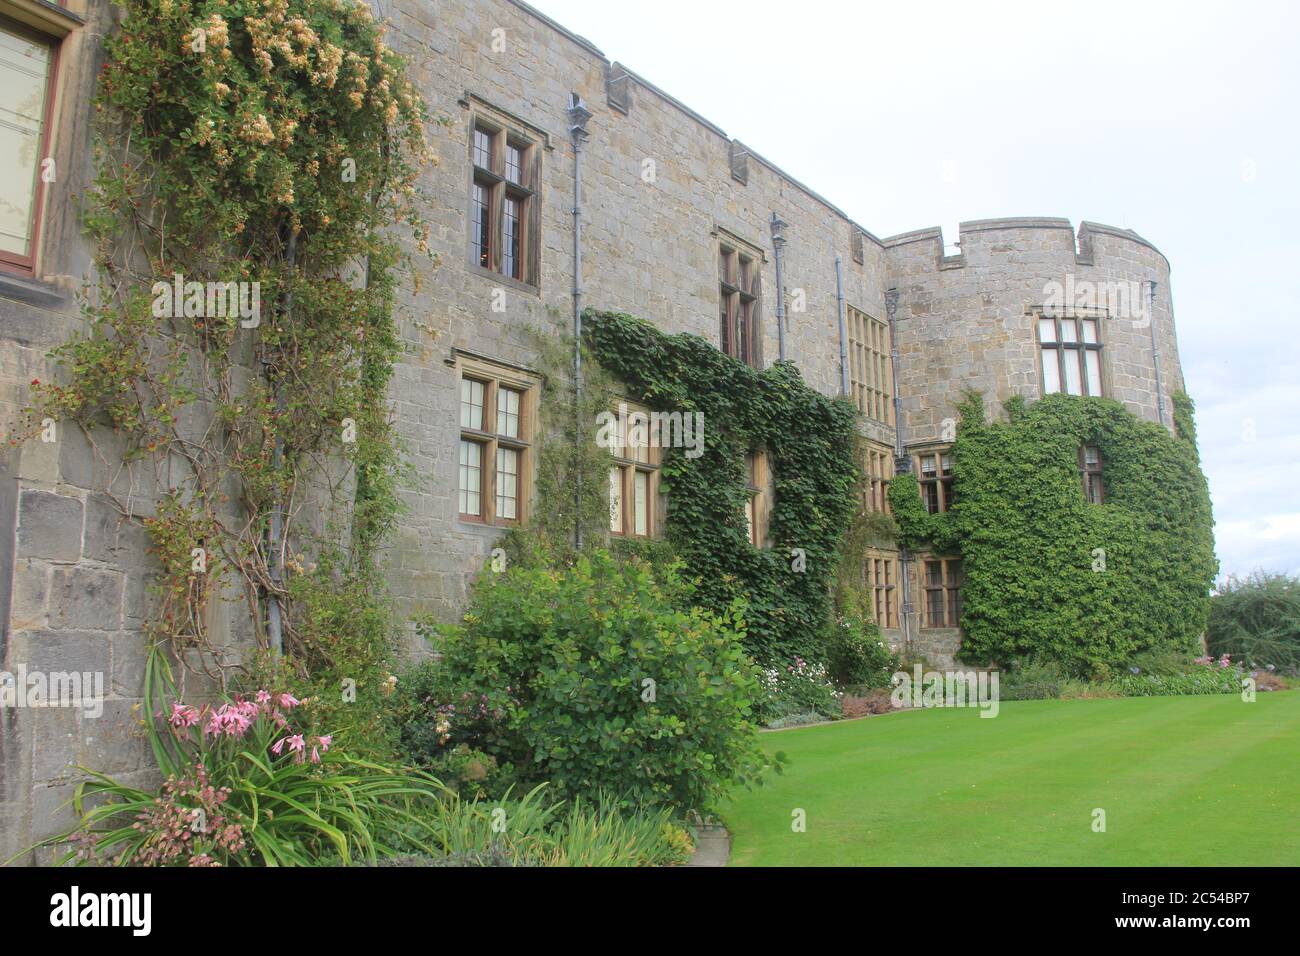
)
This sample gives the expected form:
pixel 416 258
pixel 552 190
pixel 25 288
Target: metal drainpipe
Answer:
pixel 274 624
pixel 902 466
pixel 778 253
pixel 1155 356
pixel 844 347
pixel 578 117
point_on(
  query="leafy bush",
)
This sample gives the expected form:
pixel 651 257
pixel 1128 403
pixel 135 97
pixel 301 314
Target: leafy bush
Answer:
pixel 857 654
pixel 435 725
pixel 592 678
pixel 873 701
pixel 1031 680
pixel 796 689
pixel 1257 620
pixel 244 786
pixel 339 658
pixel 1268 681
pixel 1206 676
pixel 1160 663
pixel 1074 689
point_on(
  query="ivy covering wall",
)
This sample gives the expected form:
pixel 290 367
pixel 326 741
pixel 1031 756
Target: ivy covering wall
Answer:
pixel 1051 576
pixel 809 441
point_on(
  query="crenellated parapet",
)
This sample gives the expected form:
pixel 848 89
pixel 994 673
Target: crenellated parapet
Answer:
pixel 969 320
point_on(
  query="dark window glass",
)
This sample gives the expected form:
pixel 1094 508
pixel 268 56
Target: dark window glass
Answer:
pixel 482 226
pixel 934 607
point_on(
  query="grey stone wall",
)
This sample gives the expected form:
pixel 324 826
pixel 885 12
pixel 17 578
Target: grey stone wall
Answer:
pixel 966 322
pixel 73 575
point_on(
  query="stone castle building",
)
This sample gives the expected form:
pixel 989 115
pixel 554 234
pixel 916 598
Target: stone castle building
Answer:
pixel 677 228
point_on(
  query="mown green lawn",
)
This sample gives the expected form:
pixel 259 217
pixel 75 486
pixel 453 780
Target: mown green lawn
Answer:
pixel 1183 780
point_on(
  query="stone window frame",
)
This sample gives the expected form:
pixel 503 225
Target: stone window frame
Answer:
pixel 881 573
pixel 733 298
pixel 494 378
pixel 871 375
pixel 1090 475
pixel 878 466
pixel 505 130
pixel 952 577
pixel 631 459
pixel 939 488
pixel 1078 318
pixel 49 26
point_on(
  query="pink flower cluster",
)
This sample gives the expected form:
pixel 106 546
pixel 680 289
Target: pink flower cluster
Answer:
pixel 297 745
pixel 1207 661
pixel 236 717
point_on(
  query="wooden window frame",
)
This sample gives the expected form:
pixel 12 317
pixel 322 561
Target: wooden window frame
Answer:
pixel 952 577
pixel 628 467
pixel 879 469
pixel 1060 348
pixel 941 482
pixel 758 483
pixel 871 374
pixel 498 187
pixel 738 307
pixel 494 380
pixel 1087 472
pixel 12 262
pixel 882 582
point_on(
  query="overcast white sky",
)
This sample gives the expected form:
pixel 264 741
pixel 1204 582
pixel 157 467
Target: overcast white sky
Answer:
pixel 1177 120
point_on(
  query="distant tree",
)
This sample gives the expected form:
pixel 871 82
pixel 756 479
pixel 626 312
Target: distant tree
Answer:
pixel 1256 619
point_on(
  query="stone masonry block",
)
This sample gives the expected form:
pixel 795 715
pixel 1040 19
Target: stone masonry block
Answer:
pixel 49 526
pixel 87 598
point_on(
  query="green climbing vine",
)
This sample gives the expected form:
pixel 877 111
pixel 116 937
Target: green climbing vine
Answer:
pixel 1049 575
pixel 252 159
pixel 810 447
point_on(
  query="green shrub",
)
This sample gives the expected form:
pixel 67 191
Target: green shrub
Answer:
pixel 424 713
pixel 1257 620
pixel 339 658
pixel 1031 680
pixel 857 654
pixel 593 679
pixel 798 692
pixel 1160 663
pixel 1202 678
